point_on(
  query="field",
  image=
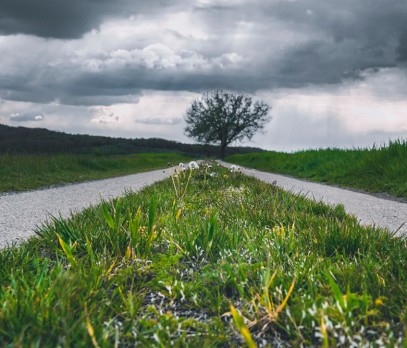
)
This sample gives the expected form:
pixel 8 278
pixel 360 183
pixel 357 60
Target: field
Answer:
pixel 206 258
pixel 20 172
pixel 376 170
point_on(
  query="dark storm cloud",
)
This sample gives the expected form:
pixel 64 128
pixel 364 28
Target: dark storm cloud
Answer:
pixel 67 19
pixel 117 84
pixel 359 34
pixel 402 48
pixel 248 46
pixel 329 41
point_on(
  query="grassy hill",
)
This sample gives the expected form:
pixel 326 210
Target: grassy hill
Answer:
pixel 379 169
pixel 32 158
pixel 20 172
pixel 38 140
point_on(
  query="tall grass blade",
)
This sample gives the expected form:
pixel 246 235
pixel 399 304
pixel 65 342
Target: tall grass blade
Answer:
pixel 336 290
pixel 68 252
pixel 242 327
pixel 108 216
pixel 151 220
pixel 90 329
pixel 284 303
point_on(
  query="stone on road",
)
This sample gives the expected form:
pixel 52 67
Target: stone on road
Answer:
pixel 21 213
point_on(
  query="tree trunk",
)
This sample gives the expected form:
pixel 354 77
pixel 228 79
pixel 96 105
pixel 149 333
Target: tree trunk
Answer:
pixel 222 151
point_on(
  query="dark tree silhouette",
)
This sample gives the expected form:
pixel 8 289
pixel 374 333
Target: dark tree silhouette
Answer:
pixel 220 117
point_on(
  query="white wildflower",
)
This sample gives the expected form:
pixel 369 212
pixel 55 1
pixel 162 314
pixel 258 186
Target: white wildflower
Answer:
pixel 234 168
pixel 156 338
pixel 312 310
pixel 193 165
pixel 379 342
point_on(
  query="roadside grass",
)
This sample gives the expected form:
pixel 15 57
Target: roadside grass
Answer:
pixel 206 258
pixel 376 170
pixel 27 172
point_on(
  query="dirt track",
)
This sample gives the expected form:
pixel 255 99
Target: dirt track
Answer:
pixel 20 213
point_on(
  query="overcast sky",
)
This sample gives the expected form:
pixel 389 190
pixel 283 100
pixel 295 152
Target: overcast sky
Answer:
pixel 334 72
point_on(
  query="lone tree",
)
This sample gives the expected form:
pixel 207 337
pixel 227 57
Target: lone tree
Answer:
pixel 219 117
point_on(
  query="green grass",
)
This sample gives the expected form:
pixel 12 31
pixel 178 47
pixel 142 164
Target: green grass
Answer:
pixel 206 258
pixel 379 169
pixel 26 172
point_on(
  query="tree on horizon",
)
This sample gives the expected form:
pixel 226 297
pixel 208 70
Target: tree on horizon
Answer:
pixel 221 117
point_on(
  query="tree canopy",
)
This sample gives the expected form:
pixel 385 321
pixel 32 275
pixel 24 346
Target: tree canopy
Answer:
pixel 221 117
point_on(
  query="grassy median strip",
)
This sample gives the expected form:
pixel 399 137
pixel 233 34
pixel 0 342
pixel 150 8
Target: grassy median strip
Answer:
pixel 205 258
pixel 377 170
pixel 27 172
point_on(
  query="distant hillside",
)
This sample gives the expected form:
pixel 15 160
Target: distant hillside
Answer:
pixel 40 140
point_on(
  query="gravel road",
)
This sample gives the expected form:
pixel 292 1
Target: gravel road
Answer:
pixel 369 209
pixel 20 213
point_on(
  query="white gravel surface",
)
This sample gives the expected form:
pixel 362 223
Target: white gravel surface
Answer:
pixel 369 209
pixel 20 213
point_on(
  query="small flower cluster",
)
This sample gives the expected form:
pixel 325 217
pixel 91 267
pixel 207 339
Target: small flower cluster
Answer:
pixel 181 167
pixel 208 167
pixel 191 165
pixel 235 169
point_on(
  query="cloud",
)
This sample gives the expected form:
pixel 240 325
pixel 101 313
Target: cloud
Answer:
pixel 159 121
pixel 26 117
pixel 402 48
pixel 69 19
pixel 104 115
pixel 103 77
pixel 357 114
pixel 296 131
pixel 152 57
pixel 296 43
pixel 192 46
